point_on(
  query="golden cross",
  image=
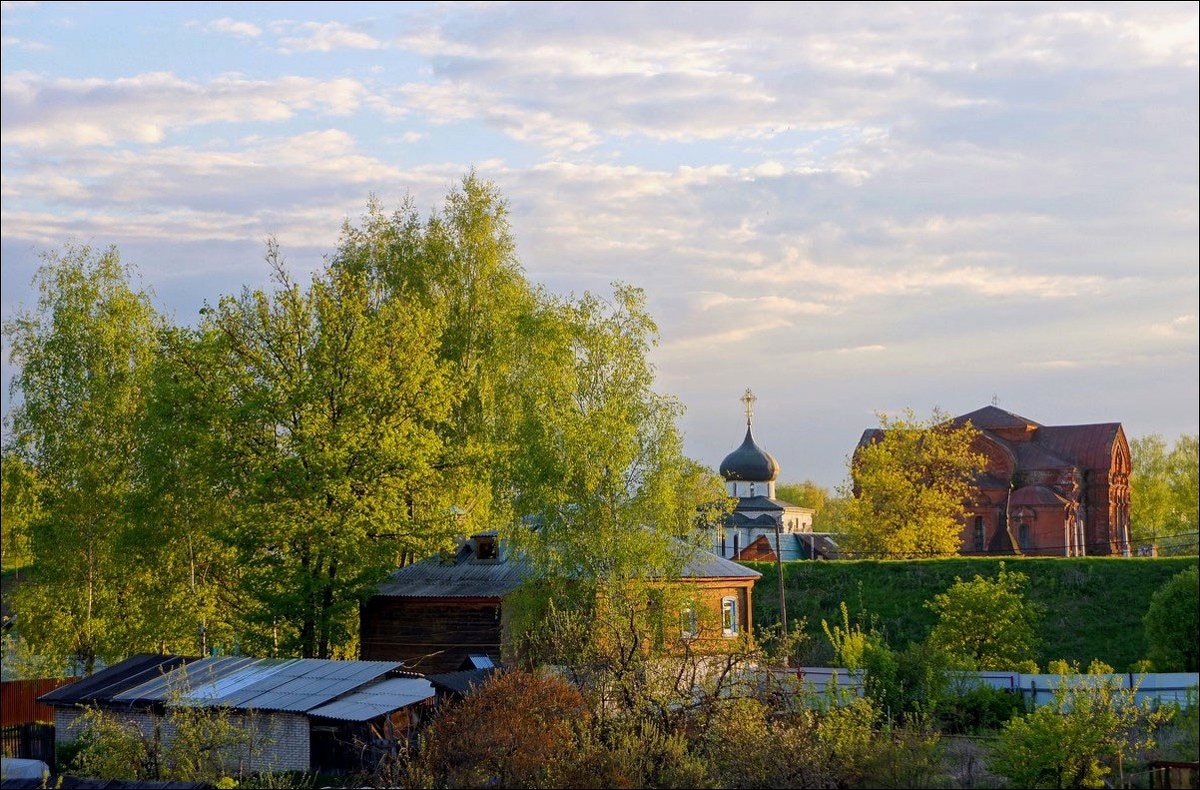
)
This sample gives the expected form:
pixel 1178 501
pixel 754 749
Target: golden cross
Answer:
pixel 749 400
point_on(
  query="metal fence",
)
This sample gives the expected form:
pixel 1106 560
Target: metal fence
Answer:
pixel 32 741
pixel 18 700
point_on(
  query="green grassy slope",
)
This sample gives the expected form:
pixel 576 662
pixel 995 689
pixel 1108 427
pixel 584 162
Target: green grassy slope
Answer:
pixel 1093 606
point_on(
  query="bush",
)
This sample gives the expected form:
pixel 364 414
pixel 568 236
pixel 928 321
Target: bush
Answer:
pixel 1092 725
pixel 516 730
pixel 986 623
pixel 979 708
pixel 1173 624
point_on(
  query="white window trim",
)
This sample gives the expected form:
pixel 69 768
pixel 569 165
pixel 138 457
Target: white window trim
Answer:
pixel 728 631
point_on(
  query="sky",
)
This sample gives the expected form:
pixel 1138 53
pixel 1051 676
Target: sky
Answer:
pixel 850 208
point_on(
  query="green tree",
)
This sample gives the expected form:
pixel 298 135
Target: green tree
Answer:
pixel 84 357
pixel 1163 492
pixel 909 483
pixel 320 407
pixel 18 509
pixel 986 623
pixel 807 494
pixel 1173 624
pixel 1078 739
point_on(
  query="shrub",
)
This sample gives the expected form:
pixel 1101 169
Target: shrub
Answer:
pixel 986 623
pixel 978 708
pixel 1091 725
pixel 1172 623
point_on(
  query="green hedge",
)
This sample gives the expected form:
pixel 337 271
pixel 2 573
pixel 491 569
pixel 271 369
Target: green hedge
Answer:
pixel 1092 606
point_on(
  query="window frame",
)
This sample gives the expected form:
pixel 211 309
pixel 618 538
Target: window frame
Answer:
pixel 729 626
pixel 689 623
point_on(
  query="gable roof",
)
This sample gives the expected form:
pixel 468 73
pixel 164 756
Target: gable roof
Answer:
pixel 464 577
pixel 992 417
pixel 1090 445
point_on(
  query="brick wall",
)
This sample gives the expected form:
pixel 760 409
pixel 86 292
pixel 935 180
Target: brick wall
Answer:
pixel 278 741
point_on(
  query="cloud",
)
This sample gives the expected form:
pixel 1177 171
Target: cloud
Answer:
pixel 1180 327
pixel 702 73
pixel 25 44
pixel 48 111
pixel 322 37
pixel 234 27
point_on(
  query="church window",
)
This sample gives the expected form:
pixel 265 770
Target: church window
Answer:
pixel 980 536
pixel 729 616
pixel 1023 536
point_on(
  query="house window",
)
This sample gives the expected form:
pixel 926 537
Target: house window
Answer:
pixel 722 544
pixel 729 616
pixel 1023 536
pixel 735 545
pixel 689 628
pixel 979 534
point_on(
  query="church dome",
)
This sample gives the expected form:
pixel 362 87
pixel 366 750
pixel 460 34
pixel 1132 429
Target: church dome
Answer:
pixel 750 463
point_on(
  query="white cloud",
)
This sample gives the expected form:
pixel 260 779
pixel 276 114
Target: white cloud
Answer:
pixel 45 111
pixel 25 44
pixel 234 27
pixel 322 37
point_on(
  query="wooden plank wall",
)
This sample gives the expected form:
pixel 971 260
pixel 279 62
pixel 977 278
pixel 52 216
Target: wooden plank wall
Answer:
pixel 432 635
pixel 18 700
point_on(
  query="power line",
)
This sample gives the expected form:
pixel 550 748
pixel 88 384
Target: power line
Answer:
pixel 850 554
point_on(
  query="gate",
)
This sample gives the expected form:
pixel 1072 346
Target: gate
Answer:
pixel 32 741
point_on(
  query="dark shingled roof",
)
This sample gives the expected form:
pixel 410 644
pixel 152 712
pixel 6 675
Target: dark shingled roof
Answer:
pixel 749 462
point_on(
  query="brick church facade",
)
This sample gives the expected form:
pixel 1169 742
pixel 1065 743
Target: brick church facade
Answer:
pixel 1049 490
pixel 1063 490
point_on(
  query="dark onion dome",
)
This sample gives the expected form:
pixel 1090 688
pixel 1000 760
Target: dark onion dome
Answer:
pixel 750 463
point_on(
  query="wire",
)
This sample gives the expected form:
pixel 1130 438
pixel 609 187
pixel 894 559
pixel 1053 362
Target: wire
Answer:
pixel 844 554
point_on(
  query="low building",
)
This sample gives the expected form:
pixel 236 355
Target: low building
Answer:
pixel 436 614
pixel 298 714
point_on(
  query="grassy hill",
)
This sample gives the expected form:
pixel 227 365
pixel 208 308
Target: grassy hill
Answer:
pixel 1092 606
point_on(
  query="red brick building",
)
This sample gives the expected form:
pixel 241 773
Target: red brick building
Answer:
pixel 1052 490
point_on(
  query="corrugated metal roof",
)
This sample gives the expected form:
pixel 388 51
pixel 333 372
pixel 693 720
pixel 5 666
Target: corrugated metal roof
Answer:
pixel 464 577
pixel 377 699
pixel 102 686
pixel 260 684
pixel 706 565
pixel 457 578
pixel 461 682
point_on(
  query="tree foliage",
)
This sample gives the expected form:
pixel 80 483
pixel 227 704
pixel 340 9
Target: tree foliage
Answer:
pixel 84 358
pixel 806 494
pixel 1077 740
pixel 986 623
pixel 1173 624
pixel 242 483
pixel 1163 492
pixel 909 485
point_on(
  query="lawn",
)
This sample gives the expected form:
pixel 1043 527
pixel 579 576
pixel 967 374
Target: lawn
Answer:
pixel 1092 606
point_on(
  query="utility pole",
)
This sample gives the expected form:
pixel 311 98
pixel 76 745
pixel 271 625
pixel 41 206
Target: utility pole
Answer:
pixel 779 572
